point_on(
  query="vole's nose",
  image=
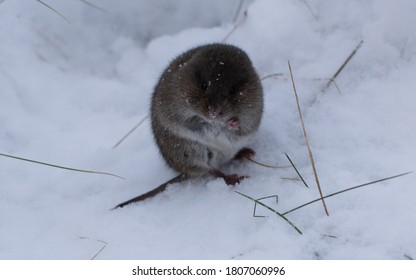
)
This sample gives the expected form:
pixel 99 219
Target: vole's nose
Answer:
pixel 213 113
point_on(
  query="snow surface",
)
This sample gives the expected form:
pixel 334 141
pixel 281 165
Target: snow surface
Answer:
pixel 69 92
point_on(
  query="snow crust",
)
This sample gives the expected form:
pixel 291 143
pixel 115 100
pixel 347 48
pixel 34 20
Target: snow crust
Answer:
pixel 69 92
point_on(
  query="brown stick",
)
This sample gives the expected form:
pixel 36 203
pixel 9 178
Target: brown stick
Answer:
pixel 307 141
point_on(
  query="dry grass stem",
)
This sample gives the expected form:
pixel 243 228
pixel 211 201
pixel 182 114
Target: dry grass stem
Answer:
pixel 255 205
pixel 297 172
pixel 342 66
pixel 236 25
pixel 54 45
pixel 330 236
pixel 61 167
pixel 237 12
pixel 275 75
pixel 102 248
pixel 346 190
pixel 55 11
pixel 336 86
pixel 271 209
pixel 310 9
pixel 307 141
pixel 130 132
pixel 292 179
pixel 92 5
pixel 265 165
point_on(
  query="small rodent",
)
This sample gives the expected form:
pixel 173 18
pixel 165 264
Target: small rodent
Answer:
pixel 206 107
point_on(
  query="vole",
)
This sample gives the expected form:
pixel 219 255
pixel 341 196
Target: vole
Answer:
pixel 205 108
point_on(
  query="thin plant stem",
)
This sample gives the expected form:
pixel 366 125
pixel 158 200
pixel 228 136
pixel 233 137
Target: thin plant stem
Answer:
pixel 310 9
pixel 92 5
pixel 237 13
pixel 130 132
pixel 55 11
pixel 271 76
pixel 236 25
pixel 101 241
pixel 61 167
pixel 346 190
pixel 342 66
pixel 271 209
pixel 265 165
pixel 255 205
pixel 294 167
pixel 307 141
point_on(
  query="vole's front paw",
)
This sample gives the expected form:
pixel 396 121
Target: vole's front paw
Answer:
pixel 233 179
pixel 245 153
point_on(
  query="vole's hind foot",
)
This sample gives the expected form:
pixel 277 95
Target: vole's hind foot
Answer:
pixel 231 179
pixel 245 153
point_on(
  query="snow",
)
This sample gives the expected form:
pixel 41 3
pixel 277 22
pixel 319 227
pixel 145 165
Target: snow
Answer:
pixel 69 92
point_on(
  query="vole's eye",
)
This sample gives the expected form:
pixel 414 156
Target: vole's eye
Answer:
pixel 204 86
pixel 232 91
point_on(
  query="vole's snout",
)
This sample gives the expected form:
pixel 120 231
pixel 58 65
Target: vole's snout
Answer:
pixel 214 113
pixel 233 123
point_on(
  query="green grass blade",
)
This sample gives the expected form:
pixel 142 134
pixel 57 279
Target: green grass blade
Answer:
pixel 346 190
pixel 61 167
pixel 271 209
pixel 255 205
pixel 294 167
